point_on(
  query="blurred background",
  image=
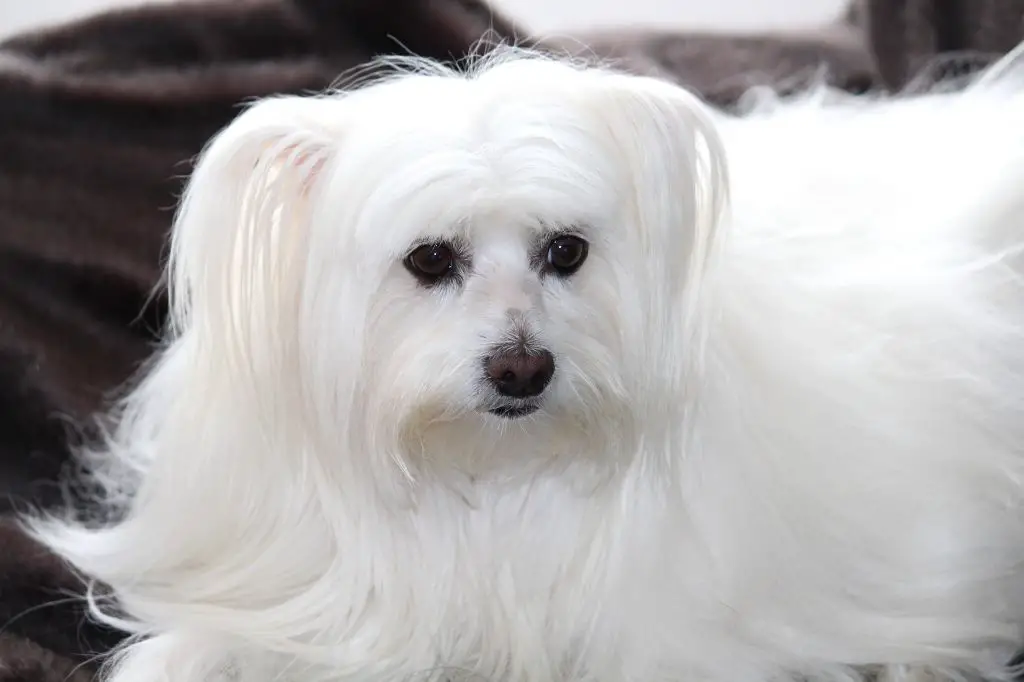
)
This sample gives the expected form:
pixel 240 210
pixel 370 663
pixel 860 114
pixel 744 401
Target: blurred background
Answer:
pixel 543 16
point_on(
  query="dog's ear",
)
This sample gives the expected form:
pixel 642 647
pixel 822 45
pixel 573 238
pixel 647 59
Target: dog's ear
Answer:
pixel 239 242
pixel 677 169
pixel 678 165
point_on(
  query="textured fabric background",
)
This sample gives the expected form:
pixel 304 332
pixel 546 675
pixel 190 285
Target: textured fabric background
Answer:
pixel 909 36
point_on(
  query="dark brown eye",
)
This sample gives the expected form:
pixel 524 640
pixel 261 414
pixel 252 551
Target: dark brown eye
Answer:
pixel 431 263
pixel 566 254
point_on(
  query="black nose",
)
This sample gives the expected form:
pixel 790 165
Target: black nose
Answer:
pixel 520 375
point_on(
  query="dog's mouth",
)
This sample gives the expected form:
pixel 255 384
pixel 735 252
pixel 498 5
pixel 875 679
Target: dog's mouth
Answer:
pixel 514 411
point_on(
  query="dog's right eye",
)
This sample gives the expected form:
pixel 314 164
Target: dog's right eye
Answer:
pixel 431 263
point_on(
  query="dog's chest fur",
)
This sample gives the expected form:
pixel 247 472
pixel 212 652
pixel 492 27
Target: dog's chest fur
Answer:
pixel 543 582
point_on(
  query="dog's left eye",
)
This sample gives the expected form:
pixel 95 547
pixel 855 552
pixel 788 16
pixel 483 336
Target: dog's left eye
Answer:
pixel 431 263
pixel 566 254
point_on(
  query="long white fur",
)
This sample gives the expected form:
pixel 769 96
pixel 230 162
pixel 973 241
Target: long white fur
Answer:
pixel 785 437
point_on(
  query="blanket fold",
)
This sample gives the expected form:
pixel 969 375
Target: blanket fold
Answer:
pixel 46 636
pixel 948 37
pixel 722 70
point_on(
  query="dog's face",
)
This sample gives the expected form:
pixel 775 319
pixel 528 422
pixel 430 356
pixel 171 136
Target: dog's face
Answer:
pixel 476 268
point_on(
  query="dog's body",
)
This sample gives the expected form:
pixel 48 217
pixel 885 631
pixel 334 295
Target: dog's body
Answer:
pixel 775 436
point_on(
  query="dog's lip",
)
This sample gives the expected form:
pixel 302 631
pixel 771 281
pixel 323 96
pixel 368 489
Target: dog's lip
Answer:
pixel 514 410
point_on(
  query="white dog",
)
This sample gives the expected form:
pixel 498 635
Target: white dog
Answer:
pixel 543 373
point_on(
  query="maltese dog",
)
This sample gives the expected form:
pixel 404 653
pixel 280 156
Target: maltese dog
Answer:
pixel 533 371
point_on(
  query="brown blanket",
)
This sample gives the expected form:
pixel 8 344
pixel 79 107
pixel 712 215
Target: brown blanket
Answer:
pixel 99 120
pixel 908 36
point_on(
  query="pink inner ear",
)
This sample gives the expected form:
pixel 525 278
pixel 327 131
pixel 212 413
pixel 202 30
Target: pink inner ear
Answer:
pixel 316 164
pixel 309 162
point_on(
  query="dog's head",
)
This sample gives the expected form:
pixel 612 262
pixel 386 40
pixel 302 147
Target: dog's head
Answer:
pixel 446 268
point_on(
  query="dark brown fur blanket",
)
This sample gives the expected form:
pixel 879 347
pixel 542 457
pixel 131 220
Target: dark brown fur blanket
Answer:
pixel 98 123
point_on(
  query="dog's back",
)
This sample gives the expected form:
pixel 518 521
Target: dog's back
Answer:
pixel 869 366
